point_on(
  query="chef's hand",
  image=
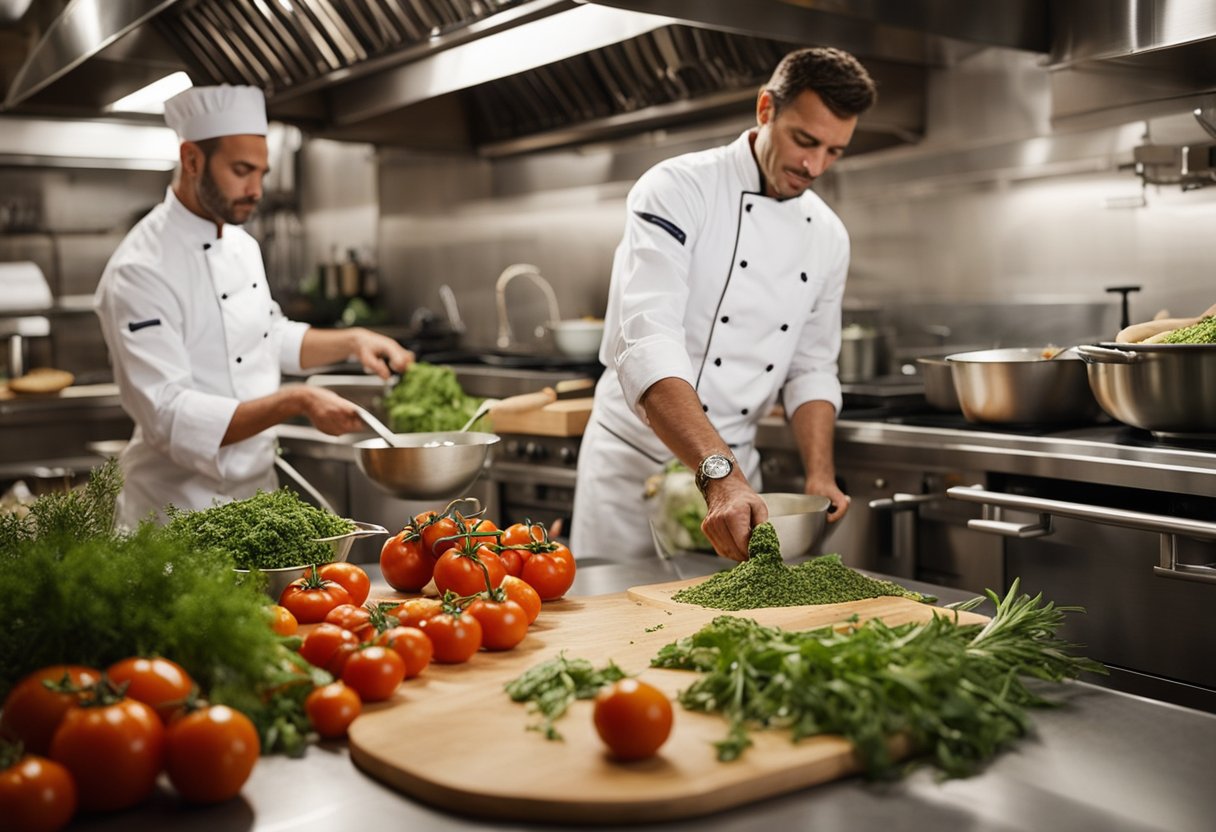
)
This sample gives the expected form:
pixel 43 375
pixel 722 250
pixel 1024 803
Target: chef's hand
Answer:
pixel 828 488
pixel 329 412
pixel 734 510
pixel 380 354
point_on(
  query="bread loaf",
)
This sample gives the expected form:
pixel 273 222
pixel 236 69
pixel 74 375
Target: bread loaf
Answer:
pixel 41 380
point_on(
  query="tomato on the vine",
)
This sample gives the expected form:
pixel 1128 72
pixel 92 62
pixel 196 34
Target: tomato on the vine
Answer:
pixel 374 673
pixel 36 794
pixel 311 598
pixel 512 559
pixel 356 619
pixel 503 623
pixel 159 682
pixel 412 645
pixel 332 708
pixel 282 621
pixel 522 593
pixel 210 753
pixel 487 532
pixel 32 712
pixel 413 610
pixel 632 718
pixel 461 571
pixel 350 577
pixel 113 751
pixel 521 534
pixel 551 573
pixel 433 528
pixel 329 647
pixel 406 562
pixel 455 637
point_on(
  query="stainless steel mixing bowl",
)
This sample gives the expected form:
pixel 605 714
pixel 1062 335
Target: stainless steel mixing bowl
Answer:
pixel 800 521
pixel 1020 386
pixel 1167 388
pixel 425 466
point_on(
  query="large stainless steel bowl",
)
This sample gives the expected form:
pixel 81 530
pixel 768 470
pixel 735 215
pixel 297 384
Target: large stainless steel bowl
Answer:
pixel 277 580
pixel 425 466
pixel 799 520
pixel 1019 386
pixel 1167 388
pixel 939 384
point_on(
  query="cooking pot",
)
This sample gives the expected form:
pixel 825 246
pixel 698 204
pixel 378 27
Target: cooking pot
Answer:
pixel 858 360
pixel 938 376
pixel 1159 387
pixel 1019 386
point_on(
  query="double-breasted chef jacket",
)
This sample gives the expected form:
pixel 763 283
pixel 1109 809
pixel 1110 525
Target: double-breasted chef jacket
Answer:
pixel 718 284
pixel 192 331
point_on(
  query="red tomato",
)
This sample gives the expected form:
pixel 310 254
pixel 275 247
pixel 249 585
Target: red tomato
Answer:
pixel 409 613
pixel 503 623
pixel 434 528
pixel 522 593
pixel 482 525
pixel 282 621
pixel 32 713
pixel 550 573
pixel 463 574
pixel 332 708
pixel 412 646
pixel 404 563
pixel 350 577
pixel 210 753
pixel 519 534
pixel 512 559
pixel 161 683
pixel 454 637
pixel 329 647
pixel 374 673
pixel 632 718
pixel 356 619
pixel 311 598
pixel 113 752
pixel 36 795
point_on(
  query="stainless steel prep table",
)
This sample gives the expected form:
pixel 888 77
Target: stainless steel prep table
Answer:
pixel 1105 761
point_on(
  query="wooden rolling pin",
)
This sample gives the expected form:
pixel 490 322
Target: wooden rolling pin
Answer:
pixel 1150 332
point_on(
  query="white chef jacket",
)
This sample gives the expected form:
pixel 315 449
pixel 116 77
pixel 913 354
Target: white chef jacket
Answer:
pixel 715 283
pixel 192 332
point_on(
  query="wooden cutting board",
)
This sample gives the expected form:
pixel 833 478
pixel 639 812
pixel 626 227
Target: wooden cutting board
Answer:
pixel 453 739
pixel 567 417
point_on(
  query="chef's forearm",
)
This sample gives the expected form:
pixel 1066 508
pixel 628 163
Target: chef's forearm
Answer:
pixel 814 427
pixel 327 346
pixel 676 417
pixel 256 415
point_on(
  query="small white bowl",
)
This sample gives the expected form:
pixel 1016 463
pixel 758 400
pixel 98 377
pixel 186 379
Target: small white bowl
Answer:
pixel 578 338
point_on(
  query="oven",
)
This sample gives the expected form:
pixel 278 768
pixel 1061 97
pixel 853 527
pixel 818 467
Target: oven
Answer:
pixel 533 477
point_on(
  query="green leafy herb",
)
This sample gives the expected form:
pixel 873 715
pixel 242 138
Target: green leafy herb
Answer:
pixel 428 398
pixel 956 691
pixel 1203 332
pixel 551 686
pixel 67 515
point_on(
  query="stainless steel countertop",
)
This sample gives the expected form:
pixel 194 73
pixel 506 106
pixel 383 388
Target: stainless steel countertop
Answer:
pixel 1105 761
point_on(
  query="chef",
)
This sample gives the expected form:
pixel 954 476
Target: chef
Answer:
pixel 725 298
pixel 196 341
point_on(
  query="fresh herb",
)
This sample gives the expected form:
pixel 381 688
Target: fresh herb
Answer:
pixel 270 530
pixel 551 686
pixel 67 515
pixel 428 398
pixel 654 629
pixel 764 580
pixel 956 691
pixel 1203 332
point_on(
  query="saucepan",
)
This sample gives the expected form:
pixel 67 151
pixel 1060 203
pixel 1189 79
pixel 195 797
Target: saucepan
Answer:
pixel 1022 385
pixel 938 376
pixel 1165 388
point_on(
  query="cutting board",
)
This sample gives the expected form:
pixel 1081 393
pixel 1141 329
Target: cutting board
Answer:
pixel 453 739
pixel 567 417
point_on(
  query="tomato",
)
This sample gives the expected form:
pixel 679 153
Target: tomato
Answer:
pixel 433 528
pixel 454 637
pixel 311 598
pixel 550 573
pixel 36 795
pixel 32 713
pixel 332 708
pixel 350 577
pixel 113 752
pixel 412 646
pixel 503 623
pixel 161 683
pixel 374 673
pixel 404 563
pixel 462 572
pixel 512 560
pixel 522 593
pixel 632 718
pixel 282 621
pixel 329 647
pixel 210 753
pixel 412 611
pixel 482 525
pixel 356 619
pixel 519 534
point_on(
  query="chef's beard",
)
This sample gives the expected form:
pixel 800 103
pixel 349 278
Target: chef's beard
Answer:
pixel 216 204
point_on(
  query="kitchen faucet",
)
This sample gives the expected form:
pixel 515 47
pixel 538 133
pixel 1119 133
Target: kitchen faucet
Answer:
pixel 500 294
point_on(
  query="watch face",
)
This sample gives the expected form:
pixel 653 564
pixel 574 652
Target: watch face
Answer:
pixel 716 467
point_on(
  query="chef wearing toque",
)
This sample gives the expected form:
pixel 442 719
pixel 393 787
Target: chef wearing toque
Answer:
pixel 196 341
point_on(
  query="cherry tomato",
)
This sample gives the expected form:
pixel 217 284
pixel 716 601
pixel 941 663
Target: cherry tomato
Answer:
pixel 329 647
pixel 36 795
pixel 404 563
pixel 374 673
pixel 462 572
pixel 113 752
pixel 32 713
pixel 512 560
pixel 350 577
pixel 356 619
pixel 550 573
pixel 519 534
pixel 411 645
pixel 210 753
pixel 414 610
pixel 434 528
pixel 282 621
pixel 159 682
pixel 311 598
pixel 632 718
pixel 454 637
pixel 332 708
pixel 522 593
pixel 503 623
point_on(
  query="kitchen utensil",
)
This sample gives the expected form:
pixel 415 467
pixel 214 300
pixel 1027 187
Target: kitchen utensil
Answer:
pixel 578 338
pixel 800 521
pixel 425 466
pixel 858 360
pixel 1018 386
pixel 522 403
pixel 1165 388
pixel 939 384
pixel 379 427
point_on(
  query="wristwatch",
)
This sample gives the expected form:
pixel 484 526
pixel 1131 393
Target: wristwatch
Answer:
pixel 713 467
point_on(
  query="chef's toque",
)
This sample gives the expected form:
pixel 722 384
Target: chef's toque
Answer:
pixel 207 112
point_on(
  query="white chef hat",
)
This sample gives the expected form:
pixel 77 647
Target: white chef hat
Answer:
pixel 207 112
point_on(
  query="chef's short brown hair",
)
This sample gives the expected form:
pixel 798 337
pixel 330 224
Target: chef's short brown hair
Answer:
pixel 838 78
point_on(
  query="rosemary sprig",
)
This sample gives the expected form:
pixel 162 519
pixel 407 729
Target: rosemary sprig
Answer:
pixel 551 686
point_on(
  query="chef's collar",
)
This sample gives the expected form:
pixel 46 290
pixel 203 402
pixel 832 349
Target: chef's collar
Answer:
pixel 194 229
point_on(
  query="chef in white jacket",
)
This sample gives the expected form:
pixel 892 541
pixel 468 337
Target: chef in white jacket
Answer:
pixel 725 298
pixel 196 341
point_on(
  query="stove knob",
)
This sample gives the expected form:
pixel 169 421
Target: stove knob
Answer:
pixel 567 455
pixel 535 450
pixel 512 447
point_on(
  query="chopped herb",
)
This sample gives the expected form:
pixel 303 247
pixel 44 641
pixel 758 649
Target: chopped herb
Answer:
pixel 655 628
pixel 1203 332
pixel 551 686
